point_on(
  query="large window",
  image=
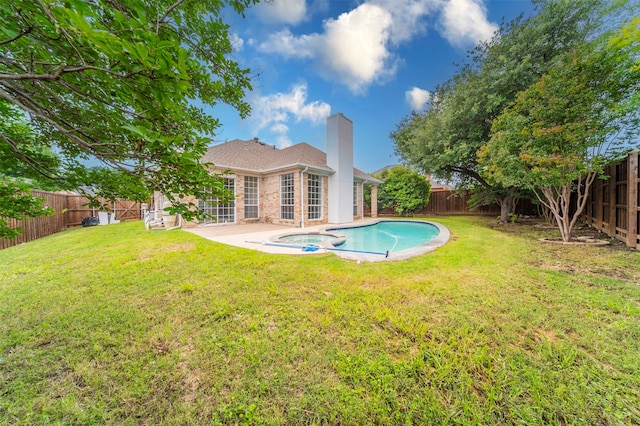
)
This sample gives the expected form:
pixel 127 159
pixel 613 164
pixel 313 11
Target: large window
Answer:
pixel 287 196
pixel 315 197
pixel 250 197
pixel 355 199
pixel 222 213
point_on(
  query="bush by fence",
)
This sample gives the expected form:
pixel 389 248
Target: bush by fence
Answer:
pixel 69 210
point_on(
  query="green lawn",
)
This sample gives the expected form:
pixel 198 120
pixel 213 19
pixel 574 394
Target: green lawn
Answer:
pixel 116 325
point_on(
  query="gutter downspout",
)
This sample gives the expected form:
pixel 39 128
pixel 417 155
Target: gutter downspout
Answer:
pixel 302 172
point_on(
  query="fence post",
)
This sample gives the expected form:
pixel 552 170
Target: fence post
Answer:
pixel 613 200
pixel 597 209
pixel 65 216
pixel 632 200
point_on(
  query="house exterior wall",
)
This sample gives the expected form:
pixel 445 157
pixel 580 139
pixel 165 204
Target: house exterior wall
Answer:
pixel 324 218
pixel 269 199
pixel 192 224
pixel 374 201
pixel 239 189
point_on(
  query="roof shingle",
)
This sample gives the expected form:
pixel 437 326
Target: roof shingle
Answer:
pixel 254 155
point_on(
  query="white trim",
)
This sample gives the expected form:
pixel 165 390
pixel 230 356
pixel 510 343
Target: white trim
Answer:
pixel 233 179
pixel 293 191
pixel 302 218
pixel 257 197
pixel 320 198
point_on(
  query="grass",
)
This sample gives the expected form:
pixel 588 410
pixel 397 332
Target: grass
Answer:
pixel 115 325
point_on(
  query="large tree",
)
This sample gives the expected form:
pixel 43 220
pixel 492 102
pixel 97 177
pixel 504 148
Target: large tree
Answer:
pixel 559 133
pixel 444 139
pixel 113 82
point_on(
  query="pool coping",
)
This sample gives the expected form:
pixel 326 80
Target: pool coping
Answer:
pixel 246 237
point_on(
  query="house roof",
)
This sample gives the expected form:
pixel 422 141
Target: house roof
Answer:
pixel 259 157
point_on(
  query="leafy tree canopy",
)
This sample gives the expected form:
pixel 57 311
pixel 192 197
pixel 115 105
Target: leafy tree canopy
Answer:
pixel 34 157
pixel 113 81
pixel 626 40
pixel 562 130
pixel 403 190
pixel 444 139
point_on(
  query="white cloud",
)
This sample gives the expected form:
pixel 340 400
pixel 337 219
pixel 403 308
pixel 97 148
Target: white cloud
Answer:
pixel 237 43
pixel 290 12
pixel 286 44
pixel 464 22
pixel 356 48
pixel 352 49
pixel 408 16
pixel 274 111
pixel 281 131
pixel 417 97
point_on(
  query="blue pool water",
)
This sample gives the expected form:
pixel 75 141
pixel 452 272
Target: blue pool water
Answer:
pixel 394 236
pixel 311 239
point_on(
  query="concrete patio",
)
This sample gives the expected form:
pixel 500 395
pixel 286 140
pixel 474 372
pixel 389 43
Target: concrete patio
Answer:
pixel 253 236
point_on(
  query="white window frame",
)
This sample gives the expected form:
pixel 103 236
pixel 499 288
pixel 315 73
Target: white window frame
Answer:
pixel 227 211
pixel 287 196
pixel 355 198
pixel 252 187
pixel 314 204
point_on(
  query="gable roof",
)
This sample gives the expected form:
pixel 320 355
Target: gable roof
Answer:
pixel 259 157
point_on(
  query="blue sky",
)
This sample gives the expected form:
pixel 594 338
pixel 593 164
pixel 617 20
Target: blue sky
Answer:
pixel 372 60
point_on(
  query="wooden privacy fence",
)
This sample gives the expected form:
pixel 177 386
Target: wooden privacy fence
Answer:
pixel 442 203
pixel 450 203
pixel 69 210
pixel 613 206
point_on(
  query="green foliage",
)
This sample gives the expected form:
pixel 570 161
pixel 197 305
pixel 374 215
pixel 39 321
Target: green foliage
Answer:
pixel 115 84
pixel 445 139
pixel 565 125
pixel 565 128
pixel 17 203
pixel 36 164
pixel 626 39
pixel 403 190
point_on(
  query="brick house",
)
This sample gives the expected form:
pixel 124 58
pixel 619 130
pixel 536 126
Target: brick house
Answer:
pixel 298 186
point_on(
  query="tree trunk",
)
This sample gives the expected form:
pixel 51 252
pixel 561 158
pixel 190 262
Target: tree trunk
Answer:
pixel 558 200
pixel 506 205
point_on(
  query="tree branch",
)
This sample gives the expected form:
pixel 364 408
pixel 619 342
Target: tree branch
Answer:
pixel 31 162
pixel 64 31
pixel 47 119
pixel 171 8
pixel 470 173
pixel 12 39
pixel 65 70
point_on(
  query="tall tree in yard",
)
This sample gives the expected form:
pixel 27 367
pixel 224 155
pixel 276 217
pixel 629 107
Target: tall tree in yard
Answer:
pixel 562 131
pixel 444 140
pixel 114 81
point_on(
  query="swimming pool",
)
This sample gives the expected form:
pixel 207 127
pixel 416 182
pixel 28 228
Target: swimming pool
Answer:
pixel 387 236
pixel 381 240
